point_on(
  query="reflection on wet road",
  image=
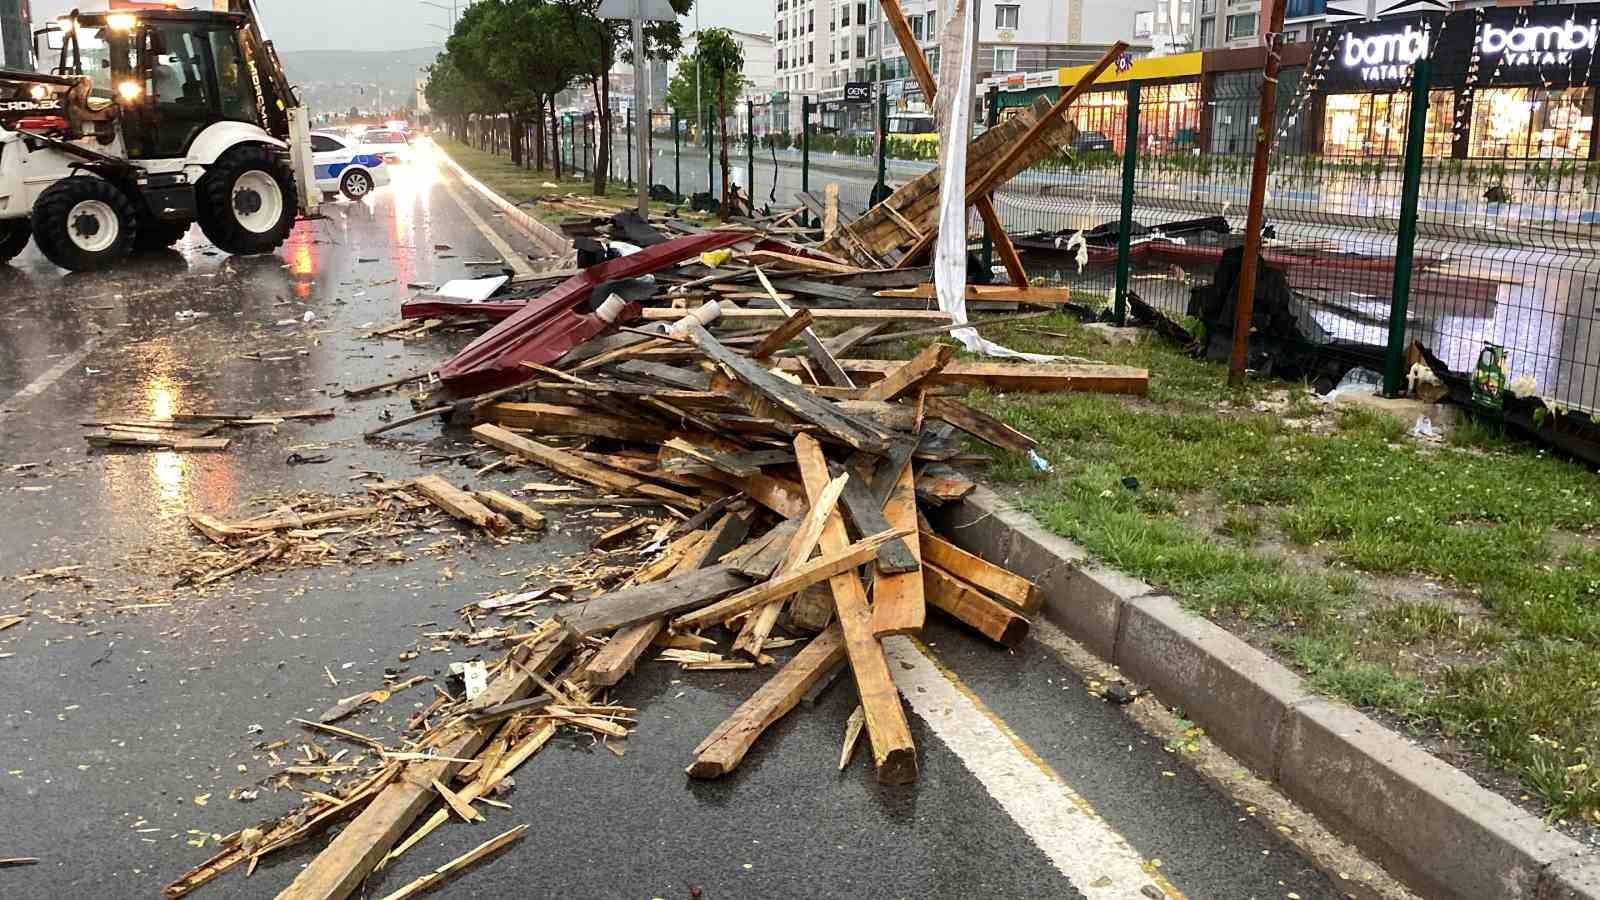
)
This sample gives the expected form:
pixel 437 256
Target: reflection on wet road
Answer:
pixel 195 330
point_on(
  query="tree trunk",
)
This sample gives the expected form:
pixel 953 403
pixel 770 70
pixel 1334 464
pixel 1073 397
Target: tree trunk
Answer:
pixel 555 136
pixel 514 139
pixel 602 159
pixel 538 137
pixel 729 207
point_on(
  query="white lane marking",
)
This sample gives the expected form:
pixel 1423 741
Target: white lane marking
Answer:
pixel 512 257
pixel 13 404
pixel 1082 846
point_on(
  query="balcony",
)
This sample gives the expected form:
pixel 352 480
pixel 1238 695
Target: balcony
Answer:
pixel 1305 9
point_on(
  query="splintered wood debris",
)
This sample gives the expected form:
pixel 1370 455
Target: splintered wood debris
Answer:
pixel 754 495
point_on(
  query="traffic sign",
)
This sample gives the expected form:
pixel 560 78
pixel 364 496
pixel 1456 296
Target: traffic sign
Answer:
pixel 648 10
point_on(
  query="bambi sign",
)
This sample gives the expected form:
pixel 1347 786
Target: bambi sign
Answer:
pixel 1384 57
pixel 1536 45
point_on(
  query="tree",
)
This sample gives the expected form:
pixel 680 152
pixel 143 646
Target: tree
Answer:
pixel 681 90
pixel 722 59
pixel 599 45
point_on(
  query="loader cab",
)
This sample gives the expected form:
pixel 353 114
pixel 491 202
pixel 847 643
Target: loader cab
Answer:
pixel 172 73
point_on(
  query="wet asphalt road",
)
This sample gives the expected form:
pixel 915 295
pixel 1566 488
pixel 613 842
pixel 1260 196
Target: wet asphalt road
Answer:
pixel 123 700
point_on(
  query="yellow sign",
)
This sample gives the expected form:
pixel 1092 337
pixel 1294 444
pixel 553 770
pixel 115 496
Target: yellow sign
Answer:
pixel 1146 68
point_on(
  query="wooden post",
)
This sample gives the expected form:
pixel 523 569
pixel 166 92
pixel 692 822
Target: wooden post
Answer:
pixel 1244 311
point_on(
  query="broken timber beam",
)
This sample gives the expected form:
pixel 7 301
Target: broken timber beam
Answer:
pixel 576 467
pixel 460 504
pixel 350 857
pixel 906 377
pixel 1021 152
pixel 1010 377
pixel 725 747
pixel 894 755
pixel 989 617
pixel 898 606
pixel 930 88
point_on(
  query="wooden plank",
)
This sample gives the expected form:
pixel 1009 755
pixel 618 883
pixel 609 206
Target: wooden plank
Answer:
pixel 726 746
pixel 351 856
pixel 768 552
pixel 800 262
pixel 775 339
pixel 124 438
pixel 821 314
pixel 657 373
pixel 1009 587
pixel 618 657
pixel 1011 377
pixel 814 346
pixel 865 515
pixel 722 462
pixel 980 425
pixel 989 617
pixel 906 377
pixel 894 755
pixel 830 209
pixel 1038 296
pixel 511 508
pixel 460 504
pixel 491 846
pixel 793 398
pixel 996 229
pixel 757 627
pixel 941 489
pixel 782 585
pixel 551 418
pixel 459 806
pixel 842 343
pixel 640 603
pixel 576 467
pixel 898 606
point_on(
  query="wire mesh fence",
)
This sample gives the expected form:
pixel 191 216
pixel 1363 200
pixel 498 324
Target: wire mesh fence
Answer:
pixel 1506 197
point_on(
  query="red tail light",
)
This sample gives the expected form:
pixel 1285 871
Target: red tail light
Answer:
pixel 43 123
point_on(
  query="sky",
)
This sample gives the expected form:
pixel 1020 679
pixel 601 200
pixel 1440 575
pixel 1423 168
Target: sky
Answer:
pixel 399 24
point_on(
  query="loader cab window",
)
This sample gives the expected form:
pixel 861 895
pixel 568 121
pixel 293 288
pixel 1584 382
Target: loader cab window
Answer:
pixel 233 79
pixel 99 57
pixel 182 99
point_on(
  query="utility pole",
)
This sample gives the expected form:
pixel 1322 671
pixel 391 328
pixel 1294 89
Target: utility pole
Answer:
pixel 638 11
pixel 1245 307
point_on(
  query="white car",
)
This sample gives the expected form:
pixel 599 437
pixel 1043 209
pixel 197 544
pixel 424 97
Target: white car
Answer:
pixel 392 146
pixel 345 167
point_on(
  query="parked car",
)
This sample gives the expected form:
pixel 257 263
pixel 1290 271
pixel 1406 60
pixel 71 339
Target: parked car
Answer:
pixel 393 146
pixel 344 167
pixel 1092 142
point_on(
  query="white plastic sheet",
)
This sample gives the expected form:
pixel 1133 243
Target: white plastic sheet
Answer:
pixel 950 254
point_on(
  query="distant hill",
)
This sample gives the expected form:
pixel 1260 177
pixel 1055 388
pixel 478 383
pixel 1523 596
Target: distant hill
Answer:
pixel 335 80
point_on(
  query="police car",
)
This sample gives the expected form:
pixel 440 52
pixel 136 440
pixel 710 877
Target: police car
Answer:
pixel 345 167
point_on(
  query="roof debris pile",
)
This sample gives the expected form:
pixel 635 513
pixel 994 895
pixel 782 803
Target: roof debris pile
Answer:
pixel 775 477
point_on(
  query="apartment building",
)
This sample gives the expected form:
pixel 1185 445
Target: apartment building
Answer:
pixel 822 45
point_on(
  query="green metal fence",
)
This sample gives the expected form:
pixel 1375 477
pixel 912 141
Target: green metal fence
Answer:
pixel 1384 217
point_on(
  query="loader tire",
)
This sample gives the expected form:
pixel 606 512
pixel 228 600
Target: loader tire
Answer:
pixel 14 236
pixel 247 201
pixel 84 224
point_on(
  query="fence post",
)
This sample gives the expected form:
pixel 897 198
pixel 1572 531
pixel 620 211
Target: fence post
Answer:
pixel 750 152
pixel 881 189
pixel 677 157
pixel 1130 166
pixel 805 145
pixel 991 116
pixel 711 153
pixel 1406 237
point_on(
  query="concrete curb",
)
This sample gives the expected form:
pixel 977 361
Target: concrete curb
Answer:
pixel 1427 822
pixel 549 240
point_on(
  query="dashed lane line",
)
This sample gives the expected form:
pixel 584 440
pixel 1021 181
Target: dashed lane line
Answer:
pixel 14 403
pixel 1080 844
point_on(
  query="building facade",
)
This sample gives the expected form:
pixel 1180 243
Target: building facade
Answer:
pixel 824 45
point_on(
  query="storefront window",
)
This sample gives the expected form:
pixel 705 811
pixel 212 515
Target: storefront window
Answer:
pixel 1375 124
pixel 1169 116
pixel 1530 123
